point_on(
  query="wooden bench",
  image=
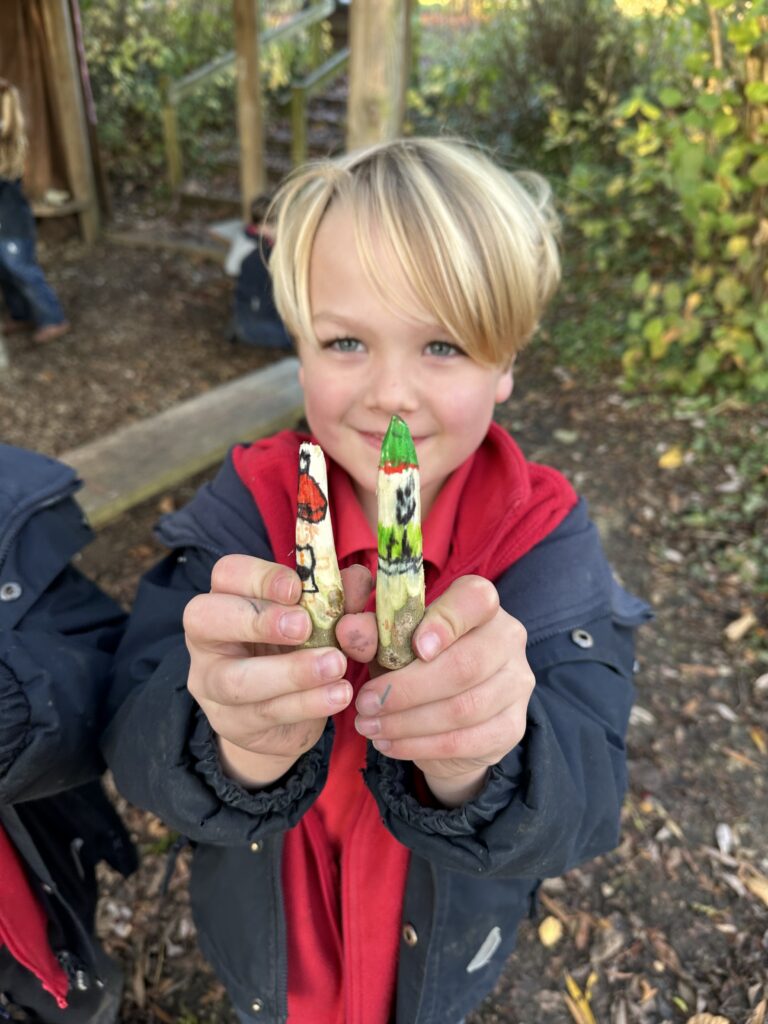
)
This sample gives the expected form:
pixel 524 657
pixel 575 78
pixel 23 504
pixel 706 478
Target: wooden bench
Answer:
pixel 146 458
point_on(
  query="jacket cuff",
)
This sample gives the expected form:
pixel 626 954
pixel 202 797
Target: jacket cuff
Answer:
pixel 14 718
pixel 307 776
pixel 393 785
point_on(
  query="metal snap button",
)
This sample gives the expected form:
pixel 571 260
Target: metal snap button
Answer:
pixel 255 846
pixel 82 981
pixel 10 591
pixel 582 638
pixel 257 1006
pixel 410 936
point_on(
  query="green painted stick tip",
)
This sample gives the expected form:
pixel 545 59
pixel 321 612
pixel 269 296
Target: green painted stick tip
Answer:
pixel 397 448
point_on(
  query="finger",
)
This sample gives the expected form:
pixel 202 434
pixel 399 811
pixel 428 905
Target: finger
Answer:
pixel 243 681
pixel 358 636
pixel 255 577
pixel 473 706
pixel 468 602
pixel 358 584
pixel 214 619
pixel 486 742
pixel 477 656
pixel 248 725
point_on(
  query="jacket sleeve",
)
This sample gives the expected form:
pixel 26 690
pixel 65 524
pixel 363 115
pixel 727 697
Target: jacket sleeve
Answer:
pixel 159 745
pixel 555 800
pixel 54 673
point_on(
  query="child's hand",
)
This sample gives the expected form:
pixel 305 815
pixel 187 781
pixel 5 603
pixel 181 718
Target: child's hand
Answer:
pixel 462 706
pixel 267 700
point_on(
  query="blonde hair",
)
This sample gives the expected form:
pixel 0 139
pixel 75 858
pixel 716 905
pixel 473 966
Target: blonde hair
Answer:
pixel 477 245
pixel 13 138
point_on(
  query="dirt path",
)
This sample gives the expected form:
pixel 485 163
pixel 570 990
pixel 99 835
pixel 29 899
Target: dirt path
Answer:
pixel 676 920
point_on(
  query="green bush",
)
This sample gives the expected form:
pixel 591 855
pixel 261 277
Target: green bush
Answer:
pixel 497 80
pixel 680 196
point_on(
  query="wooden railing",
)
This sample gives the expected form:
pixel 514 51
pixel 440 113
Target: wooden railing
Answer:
pixel 175 91
pixel 301 92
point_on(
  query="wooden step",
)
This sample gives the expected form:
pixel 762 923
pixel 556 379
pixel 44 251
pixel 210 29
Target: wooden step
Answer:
pixel 143 459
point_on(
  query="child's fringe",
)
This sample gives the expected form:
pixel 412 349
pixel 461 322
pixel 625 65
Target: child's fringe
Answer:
pixel 13 138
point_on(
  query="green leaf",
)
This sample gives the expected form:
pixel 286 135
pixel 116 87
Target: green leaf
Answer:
pixel 758 172
pixel 729 291
pixel 756 92
pixel 736 246
pixel 761 330
pixel 670 97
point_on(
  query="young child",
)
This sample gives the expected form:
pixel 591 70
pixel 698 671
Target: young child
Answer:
pixel 255 318
pixel 335 879
pixel 58 633
pixel 30 300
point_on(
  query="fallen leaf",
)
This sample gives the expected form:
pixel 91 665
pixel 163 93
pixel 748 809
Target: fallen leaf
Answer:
pixel 757 736
pixel 707 1018
pixel 758 1015
pixel 672 458
pixel 758 886
pixel 737 629
pixel 578 1001
pixel 550 931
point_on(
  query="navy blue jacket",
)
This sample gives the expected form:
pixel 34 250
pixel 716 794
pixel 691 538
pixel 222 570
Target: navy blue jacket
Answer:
pixel 58 633
pixel 551 803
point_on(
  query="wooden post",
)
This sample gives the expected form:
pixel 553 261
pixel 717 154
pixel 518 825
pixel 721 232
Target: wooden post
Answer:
pixel 170 113
pixel 68 99
pixel 378 70
pixel 250 125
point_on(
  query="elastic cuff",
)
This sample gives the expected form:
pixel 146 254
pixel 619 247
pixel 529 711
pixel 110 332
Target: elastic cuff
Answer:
pixel 306 776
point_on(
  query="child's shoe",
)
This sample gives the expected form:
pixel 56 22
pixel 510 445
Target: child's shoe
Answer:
pixel 15 326
pixel 51 332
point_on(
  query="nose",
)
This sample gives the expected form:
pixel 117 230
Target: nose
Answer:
pixel 392 387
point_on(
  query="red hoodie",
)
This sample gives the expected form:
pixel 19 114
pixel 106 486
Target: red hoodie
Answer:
pixel 343 872
pixel 23 926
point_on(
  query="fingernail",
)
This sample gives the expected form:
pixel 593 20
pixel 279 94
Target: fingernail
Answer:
pixel 339 694
pixel 368 726
pixel 330 664
pixel 286 589
pixel 383 745
pixel 293 625
pixel 427 645
pixel 368 703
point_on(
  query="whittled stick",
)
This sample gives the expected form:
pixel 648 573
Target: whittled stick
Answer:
pixel 400 577
pixel 322 593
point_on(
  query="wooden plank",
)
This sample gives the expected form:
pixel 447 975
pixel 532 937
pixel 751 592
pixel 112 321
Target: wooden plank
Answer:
pixel 146 458
pixel 250 123
pixel 378 72
pixel 145 240
pixel 68 98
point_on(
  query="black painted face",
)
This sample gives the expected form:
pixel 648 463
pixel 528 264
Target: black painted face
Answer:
pixel 405 503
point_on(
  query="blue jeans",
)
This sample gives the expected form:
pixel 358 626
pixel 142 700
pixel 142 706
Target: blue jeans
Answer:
pixel 25 290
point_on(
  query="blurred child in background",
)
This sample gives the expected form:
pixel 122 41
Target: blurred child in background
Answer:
pixel 30 302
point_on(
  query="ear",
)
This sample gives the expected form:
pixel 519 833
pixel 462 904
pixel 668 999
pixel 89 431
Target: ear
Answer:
pixel 505 384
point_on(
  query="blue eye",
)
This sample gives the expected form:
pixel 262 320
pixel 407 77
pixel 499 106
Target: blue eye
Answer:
pixel 344 345
pixel 444 349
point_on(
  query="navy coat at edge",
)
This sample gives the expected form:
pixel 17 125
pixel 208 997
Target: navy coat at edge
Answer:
pixel 58 633
pixel 551 803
